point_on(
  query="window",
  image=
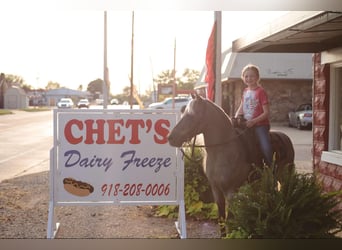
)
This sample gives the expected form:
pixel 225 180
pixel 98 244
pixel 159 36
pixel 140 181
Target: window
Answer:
pixel 334 153
pixel 168 101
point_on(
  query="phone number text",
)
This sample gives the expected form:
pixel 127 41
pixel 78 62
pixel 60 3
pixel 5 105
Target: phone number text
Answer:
pixel 139 189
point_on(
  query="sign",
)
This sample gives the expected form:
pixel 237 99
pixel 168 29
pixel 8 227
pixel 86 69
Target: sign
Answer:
pixel 114 157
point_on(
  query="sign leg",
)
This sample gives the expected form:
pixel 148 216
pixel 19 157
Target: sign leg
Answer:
pixel 181 224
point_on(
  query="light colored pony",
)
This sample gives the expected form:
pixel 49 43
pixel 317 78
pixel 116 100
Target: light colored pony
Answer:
pixel 225 160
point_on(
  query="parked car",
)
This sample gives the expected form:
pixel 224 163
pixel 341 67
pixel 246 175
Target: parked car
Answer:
pixel 114 101
pixel 65 103
pixel 83 103
pixel 180 102
pixel 99 101
pixel 301 117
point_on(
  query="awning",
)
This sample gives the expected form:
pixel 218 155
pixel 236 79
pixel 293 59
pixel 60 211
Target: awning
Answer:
pixel 295 32
pixel 272 66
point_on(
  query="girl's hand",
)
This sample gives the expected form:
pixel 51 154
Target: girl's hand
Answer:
pixel 250 123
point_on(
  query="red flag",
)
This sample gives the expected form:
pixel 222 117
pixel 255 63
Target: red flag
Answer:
pixel 210 64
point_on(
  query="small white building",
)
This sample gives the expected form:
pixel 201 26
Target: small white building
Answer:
pixel 15 98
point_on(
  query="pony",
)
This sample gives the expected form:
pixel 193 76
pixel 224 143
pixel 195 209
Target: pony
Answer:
pixel 225 160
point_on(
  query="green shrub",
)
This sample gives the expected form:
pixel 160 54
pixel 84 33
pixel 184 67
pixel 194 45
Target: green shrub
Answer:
pixel 197 193
pixel 297 209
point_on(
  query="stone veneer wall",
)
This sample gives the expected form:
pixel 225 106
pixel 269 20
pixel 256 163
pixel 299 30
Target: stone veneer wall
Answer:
pixel 329 174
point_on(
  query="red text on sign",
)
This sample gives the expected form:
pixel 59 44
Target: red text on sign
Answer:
pixel 135 189
pixel 92 131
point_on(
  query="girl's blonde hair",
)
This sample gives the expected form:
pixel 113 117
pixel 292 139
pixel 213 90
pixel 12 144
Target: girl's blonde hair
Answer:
pixel 250 67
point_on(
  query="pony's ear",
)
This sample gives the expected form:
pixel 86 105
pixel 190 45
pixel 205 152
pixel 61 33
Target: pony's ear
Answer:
pixel 196 96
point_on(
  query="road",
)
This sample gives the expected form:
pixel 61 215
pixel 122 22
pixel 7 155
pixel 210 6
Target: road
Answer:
pixel 27 137
pixel 25 141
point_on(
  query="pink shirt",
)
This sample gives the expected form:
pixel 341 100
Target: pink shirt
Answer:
pixel 252 102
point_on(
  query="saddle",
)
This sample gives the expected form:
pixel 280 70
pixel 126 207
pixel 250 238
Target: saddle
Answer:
pixel 249 141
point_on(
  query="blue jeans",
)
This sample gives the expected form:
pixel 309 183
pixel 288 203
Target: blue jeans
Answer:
pixel 263 136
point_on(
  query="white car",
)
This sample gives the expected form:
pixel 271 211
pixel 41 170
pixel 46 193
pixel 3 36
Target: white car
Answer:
pixel 180 102
pixel 65 103
pixel 114 101
pixel 301 117
pixel 83 103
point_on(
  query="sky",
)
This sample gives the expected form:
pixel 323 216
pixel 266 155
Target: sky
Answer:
pixel 67 46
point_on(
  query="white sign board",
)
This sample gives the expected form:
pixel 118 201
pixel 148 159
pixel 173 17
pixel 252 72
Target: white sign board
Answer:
pixel 115 157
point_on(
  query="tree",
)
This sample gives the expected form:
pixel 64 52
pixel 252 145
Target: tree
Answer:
pixel 52 85
pixel 26 87
pixel 95 86
pixel 14 79
pixel 166 77
pixel 126 91
pixel 186 81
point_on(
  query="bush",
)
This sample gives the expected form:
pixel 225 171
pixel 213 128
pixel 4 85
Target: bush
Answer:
pixel 298 208
pixel 197 193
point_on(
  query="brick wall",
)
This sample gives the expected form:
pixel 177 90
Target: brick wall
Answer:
pixel 330 175
pixel 321 108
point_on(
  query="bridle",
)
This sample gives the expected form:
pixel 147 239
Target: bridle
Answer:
pixel 193 146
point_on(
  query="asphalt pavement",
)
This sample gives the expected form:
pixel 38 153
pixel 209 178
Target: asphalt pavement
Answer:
pixel 302 143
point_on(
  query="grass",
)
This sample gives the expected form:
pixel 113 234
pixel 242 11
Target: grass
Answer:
pixel 30 109
pixel 5 112
pixel 36 109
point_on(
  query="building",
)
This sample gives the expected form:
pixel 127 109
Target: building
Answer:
pixel 15 98
pixel 3 87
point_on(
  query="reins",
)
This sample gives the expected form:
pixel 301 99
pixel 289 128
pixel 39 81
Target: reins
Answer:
pixel 208 146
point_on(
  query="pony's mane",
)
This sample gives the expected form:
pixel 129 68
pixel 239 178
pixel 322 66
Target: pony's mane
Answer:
pixel 215 106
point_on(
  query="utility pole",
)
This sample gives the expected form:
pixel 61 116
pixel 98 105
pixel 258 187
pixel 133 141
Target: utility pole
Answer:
pixel 174 76
pixel 132 62
pixel 105 68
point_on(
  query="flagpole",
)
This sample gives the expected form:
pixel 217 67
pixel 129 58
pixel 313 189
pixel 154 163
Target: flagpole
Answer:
pixel 218 84
pixel 174 76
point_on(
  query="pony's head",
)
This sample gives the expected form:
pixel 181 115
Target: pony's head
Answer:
pixel 191 123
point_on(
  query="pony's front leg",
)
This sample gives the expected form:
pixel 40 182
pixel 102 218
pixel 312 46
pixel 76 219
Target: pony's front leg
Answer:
pixel 221 205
